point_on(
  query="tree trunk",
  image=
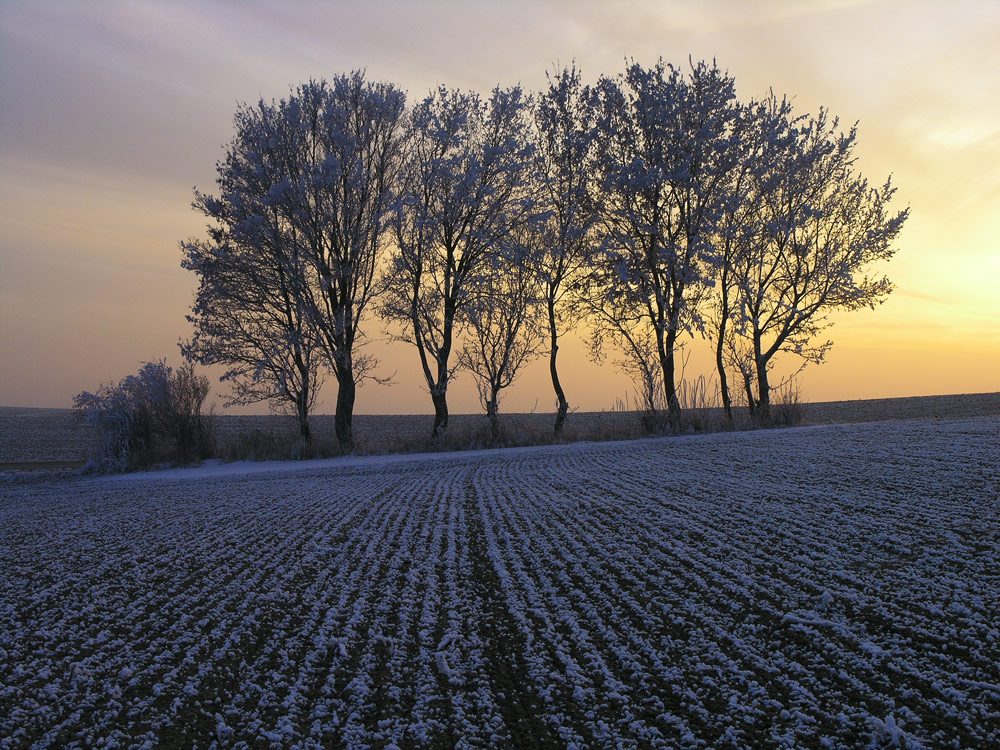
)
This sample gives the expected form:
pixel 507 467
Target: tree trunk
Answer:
pixel 492 412
pixel 440 413
pixel 751 401
pixel 343 421
pixel 763 397
pixel 763 388
pixel 439 390
pixel 305 434
pixel 669 387
pixel 302 399
pixel 563 405
pixel 302 413
pixel 727 401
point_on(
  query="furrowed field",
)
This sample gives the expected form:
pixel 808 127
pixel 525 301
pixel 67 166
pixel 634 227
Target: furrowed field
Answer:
pixel 833 586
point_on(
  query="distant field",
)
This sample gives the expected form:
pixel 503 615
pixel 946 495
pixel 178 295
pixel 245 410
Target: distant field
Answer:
pixel 51 435
pixel 831 586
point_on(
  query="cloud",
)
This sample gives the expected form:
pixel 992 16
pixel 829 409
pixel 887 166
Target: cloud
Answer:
pixel 111 111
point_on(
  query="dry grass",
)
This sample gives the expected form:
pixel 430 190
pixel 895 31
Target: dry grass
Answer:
pixel 50 437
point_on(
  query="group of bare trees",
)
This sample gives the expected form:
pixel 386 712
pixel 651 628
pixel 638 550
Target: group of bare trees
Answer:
pixel 646 206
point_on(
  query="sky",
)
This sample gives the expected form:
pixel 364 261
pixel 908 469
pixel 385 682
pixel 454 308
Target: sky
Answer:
pixel 112 112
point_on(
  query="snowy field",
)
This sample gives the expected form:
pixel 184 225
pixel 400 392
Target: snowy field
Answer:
pixel 832 586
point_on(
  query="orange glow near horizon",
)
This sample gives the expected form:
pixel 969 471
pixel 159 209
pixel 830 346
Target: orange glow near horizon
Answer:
pixel 109 114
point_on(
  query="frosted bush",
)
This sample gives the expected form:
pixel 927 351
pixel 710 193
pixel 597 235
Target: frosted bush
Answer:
pixel 153 415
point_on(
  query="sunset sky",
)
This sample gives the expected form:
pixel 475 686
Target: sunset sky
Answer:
pixel 111 112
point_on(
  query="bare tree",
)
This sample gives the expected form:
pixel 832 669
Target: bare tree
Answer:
pixel 763 131
pixel 290 269
pixel 351 155
pixel 465 186
pixel 819 229
pixel 665 145
pixel 249 312
pixel 565 135
pixel 503 331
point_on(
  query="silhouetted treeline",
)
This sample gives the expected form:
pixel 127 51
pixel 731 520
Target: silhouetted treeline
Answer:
pixel 480 229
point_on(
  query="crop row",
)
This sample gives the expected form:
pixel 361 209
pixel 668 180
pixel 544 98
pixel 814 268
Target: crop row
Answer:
pixel 828 587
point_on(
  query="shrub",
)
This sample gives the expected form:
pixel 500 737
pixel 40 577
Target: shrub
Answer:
pixel 152 416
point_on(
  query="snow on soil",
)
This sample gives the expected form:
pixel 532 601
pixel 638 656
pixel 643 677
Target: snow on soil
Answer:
pixel 829 587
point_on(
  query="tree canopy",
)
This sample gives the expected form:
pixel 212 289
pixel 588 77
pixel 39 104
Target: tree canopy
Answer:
pixel 644 208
